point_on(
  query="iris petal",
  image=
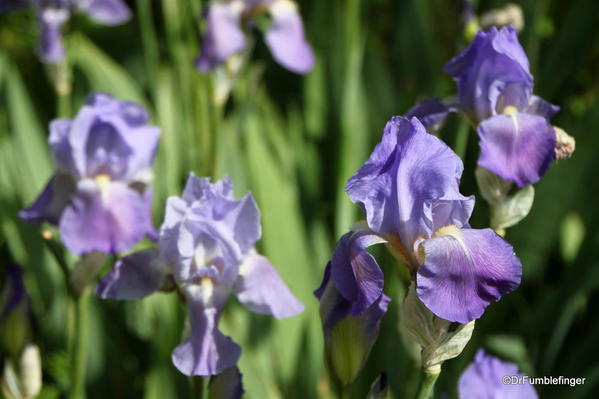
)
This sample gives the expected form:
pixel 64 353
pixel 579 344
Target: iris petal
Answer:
pixel 286 38
pixel 261 289
pixel 207 351
pixel 134 276
pixel 517 147
pixel 355 272
pixel 464 271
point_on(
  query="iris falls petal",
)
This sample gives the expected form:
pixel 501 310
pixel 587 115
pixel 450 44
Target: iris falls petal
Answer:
pixel 464 270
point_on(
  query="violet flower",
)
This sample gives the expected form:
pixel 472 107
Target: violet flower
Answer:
pixel 483 379
pixel 494 87
pixel 53 14
pixel 100 196
pixel 409 190
pixel 206 247
pixel 229 21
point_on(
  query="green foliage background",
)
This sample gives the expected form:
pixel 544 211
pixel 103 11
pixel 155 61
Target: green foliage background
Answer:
pixel 294 141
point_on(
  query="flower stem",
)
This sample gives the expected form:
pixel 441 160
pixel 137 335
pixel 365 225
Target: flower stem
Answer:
pixel 461 139
pixel 197 386
pixel 427 387
pixel 79 349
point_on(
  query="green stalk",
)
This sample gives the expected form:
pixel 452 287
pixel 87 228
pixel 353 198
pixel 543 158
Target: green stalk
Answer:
pixel 197 385
pixel 461 139
pixel 79 349
pixel 427 388
pixel 148 37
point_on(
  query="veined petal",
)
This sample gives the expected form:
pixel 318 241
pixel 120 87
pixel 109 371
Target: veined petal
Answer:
pixel 223 37
pixel 464 270
pixel 355 272
pixel 492 73
pixel 111 219
pixel 107 12
pixel 286 38
pixel 407 173
pixel 207 351
pixel 261 289
pixel 134 276
pixel 52 201
pixel 518 147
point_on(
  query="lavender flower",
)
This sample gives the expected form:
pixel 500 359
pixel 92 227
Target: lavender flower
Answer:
pixel 228 20
pixel 207 247
pixel 495 91
pixel 100 196
pixel 53 14
pixel 409 190
pixel 483 380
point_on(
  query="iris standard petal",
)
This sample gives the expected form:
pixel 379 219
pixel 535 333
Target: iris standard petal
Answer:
pixel 261 289
pixel 134 276
pixel 52 201
pixel 408 171
pixel 107 12
pixel 464 270
pixel 60 146
pixel 518 147
pixel 215 202
pixel 50 43
pixel 355 272
pixel 484 379
pixel 207 351
pixel 109 219
pixel 491 73
pixel 144 140
pixel 223 37
pixel 286 38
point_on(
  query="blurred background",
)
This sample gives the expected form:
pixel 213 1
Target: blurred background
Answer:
pixel 294 141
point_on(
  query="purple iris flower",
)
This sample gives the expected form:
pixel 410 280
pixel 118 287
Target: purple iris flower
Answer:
pixel 483 379
pixel 494 87
pixel 100 197
pixel 343 326
pixel 53 14
pixel 206 247
pixel 229 20
pixel 409 190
